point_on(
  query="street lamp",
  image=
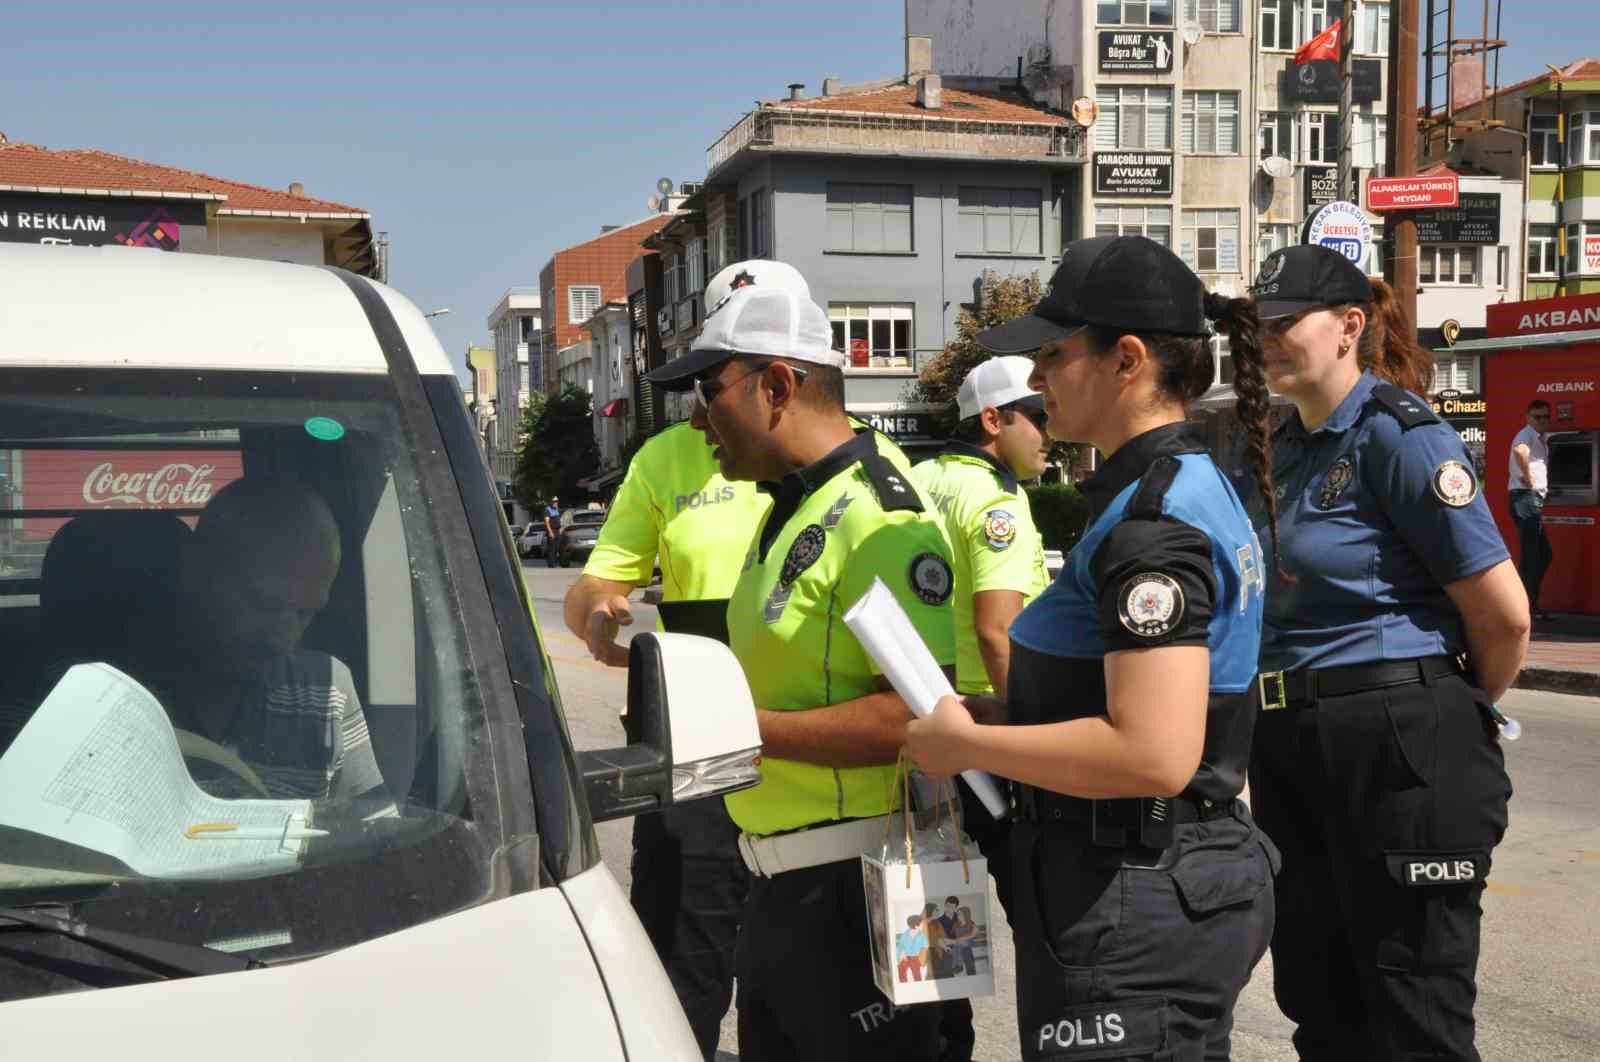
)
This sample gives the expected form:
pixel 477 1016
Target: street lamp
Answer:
pixel 437 313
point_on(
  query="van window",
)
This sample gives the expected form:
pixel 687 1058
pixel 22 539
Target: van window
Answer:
pixel 237 710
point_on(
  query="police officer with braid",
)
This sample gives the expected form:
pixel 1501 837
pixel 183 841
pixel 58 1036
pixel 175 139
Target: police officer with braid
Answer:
pixel 1141 888
pixel 1394 622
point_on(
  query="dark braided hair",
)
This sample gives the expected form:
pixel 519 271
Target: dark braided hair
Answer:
pixel 1238 317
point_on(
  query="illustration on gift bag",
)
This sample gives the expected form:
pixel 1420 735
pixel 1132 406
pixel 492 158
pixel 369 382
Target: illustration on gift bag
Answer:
pixel 928 909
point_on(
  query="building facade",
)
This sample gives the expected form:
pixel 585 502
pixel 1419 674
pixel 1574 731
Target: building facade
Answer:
pixel 94 198
pixel 611 385
pixel 517 325
pixel 481 395
pixel 580 279
pixel 893 199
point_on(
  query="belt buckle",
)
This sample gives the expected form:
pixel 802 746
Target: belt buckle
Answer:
pixel 1280 700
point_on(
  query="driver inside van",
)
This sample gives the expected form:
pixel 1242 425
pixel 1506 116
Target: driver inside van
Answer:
pixel 257 715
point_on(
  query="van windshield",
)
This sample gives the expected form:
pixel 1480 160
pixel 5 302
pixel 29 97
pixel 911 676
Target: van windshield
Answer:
pixel 236 708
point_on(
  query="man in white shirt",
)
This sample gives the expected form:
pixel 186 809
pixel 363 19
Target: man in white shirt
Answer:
pixel 1530 456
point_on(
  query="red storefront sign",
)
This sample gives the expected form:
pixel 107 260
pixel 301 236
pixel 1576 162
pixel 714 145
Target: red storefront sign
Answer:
pixel 70 480
pixel 1413 193
pixel 1569 313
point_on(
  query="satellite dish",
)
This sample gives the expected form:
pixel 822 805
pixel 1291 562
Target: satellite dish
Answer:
pixel 664 186
pixel 654 202
pixel 1277 166
pixel 1192 33
pixel 1085 110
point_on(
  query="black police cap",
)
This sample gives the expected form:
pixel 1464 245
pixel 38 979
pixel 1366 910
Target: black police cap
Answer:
pixel 1306 276
pixel 1117 282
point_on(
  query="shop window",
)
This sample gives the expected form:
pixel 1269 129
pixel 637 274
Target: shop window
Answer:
pixel 999 221
pixel 1210 242
pixel 1154 223
pixel 874 336
pixel 1134 12
pixel 1210 123
pixel 869 217
pixel 1134 118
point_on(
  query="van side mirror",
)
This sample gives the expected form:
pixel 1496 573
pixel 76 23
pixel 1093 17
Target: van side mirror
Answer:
pixel 708 748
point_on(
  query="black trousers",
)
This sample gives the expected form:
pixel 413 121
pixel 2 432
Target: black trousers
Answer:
pixel 1534 553
pixel 1137 953
pixel 1386 806
pixel 806 992
pixel 689 887
pixel 992 838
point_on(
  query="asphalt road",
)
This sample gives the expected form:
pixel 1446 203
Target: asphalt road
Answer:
pixel 1539 990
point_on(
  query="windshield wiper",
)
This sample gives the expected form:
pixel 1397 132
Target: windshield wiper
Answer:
pixel 167 958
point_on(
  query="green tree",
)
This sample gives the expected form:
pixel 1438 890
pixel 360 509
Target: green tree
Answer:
pixel 556 447
pixel 1000 299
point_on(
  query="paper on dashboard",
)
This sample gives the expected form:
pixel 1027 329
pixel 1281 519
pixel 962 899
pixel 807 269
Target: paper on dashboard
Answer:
pixel 886 633
pixel 98 766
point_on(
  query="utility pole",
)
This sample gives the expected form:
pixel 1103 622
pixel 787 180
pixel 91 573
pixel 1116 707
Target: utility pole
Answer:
pixel 1347 65
pixel 1400 231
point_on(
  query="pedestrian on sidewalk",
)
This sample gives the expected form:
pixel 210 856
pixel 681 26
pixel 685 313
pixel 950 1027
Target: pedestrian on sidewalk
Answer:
pixel 1376 765
pixel 1530 482
pixel 552 531
pixel 676 510
pixel 770 399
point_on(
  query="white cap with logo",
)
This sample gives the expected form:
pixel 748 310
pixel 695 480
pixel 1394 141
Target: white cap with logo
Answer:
pixel 998 382
pixel 755 307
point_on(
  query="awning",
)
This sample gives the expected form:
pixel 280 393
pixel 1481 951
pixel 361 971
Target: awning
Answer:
pixel 617 407
pixel 1547 339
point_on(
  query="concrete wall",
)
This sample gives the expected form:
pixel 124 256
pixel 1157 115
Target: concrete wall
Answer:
pixel 984 38
pixel 288 241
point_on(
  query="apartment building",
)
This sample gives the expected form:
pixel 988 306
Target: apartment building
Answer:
pixel 517 325
pixel 480 394
pixel 580 279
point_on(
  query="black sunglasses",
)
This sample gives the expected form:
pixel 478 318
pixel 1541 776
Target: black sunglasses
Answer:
pixel 1035 415
pixel 706 391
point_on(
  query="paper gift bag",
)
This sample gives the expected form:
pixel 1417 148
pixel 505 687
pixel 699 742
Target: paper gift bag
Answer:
pixel 927 894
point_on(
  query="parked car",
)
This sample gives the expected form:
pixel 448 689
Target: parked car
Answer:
pixel 580 530
pixel 460 898
pixel 530 543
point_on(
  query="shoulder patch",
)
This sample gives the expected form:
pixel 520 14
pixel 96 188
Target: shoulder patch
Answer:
pixel 1454 484
pixel 894 489
pixel 999 528
pixel 931 578
pixel 1150 604
pixel 1404 406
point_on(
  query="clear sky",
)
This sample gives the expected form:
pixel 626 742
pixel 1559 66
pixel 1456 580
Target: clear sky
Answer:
pixel 482 137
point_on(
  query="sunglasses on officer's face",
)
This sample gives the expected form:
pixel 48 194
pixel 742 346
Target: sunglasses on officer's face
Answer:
pixel 1035 416
pixel 706 391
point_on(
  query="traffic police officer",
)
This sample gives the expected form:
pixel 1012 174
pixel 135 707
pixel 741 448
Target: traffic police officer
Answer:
pixel 689 882
pixel 1376 768
pixel 1141 894
pixel 845 511
pixel 999 565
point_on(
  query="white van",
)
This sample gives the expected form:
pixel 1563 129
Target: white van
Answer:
pixel 374 839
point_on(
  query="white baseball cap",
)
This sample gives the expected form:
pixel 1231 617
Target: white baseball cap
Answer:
pixel 998 382
pixel 754 307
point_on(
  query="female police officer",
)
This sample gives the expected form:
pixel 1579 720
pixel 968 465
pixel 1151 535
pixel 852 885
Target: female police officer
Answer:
pixel 1141 888
pixel 1375 766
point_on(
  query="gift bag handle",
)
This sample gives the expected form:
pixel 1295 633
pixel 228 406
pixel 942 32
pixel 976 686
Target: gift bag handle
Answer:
pixel 944 799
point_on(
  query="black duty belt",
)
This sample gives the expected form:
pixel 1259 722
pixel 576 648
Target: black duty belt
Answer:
pixel 1143 821
pixel 1299 689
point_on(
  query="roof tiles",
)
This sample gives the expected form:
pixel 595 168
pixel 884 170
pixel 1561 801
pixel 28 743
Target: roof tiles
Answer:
pixel 957 105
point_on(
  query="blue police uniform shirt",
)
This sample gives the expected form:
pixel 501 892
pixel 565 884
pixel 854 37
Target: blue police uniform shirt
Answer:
pixel 1168 558
pixel 1378 510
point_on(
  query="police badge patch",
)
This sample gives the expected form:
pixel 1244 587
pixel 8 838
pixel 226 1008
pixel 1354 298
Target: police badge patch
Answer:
pixel 1336 482
pixel 805 551
pixel 931 578
pixel 1150 604
pixel 1000 528
pixel 1454 484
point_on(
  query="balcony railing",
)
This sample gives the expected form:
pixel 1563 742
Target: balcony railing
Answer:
pixel 844 131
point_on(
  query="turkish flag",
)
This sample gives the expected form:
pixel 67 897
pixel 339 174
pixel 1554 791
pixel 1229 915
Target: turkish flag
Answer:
pixel 1324 45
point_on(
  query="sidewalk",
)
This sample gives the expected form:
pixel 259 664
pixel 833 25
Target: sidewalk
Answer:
pixel 1564 656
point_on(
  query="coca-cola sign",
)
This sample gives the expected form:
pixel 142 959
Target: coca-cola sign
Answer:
pixel 176 484
pixel 67 481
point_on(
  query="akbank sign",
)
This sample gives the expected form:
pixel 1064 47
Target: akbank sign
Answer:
pixel 1340 226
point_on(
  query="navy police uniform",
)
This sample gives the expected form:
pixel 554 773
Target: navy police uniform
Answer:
pixel 1376 768
pixel 1138 921
pixel 1375 765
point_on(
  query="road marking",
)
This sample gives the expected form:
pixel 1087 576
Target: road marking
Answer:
pixel 1506 890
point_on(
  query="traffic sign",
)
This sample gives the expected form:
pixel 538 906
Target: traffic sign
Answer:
pixel 1413 193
